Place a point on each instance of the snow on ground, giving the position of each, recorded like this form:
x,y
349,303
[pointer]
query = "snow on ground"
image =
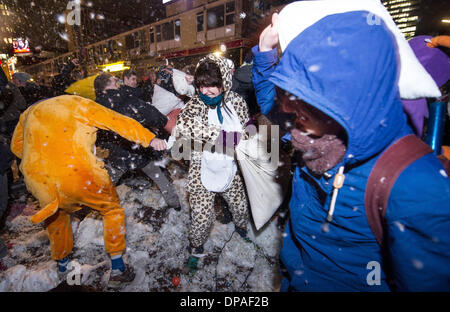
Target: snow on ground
x,y
157,241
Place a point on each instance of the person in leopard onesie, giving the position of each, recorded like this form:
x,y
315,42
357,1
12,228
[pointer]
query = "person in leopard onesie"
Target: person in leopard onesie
x,y
213,121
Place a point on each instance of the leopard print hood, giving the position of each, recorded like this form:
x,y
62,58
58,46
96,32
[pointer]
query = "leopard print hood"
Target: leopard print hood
x,y
226,69
192,122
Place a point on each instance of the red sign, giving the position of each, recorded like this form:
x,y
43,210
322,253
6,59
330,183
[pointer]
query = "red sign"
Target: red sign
x,y
230,45
21,46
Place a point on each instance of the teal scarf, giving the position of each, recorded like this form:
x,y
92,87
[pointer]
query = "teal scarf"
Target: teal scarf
x,y
214,102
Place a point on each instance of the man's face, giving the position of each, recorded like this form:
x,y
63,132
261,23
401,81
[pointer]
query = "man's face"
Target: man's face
x,y
210,91
130,81
152,76
112,85
307,118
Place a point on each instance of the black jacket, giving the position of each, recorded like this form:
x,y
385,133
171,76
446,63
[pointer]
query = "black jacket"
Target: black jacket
x,y
6,157
13,104
147,91
3,78
243,85
124,154
128,93
62,81
33,93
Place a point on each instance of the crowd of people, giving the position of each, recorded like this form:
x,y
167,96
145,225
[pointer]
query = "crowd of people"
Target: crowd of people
x,y
342,120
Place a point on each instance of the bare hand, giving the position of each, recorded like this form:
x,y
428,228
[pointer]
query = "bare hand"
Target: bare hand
x,y
158,144
75,62
268,39
439,41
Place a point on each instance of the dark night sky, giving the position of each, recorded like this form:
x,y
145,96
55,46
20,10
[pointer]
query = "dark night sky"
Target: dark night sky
x,y
38,20
433,11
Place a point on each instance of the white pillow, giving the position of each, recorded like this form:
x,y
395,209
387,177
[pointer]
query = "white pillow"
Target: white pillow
x,y
180,84
414,81
165,101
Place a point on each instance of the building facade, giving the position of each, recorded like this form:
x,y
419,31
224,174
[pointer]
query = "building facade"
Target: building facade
x,y
6,30
191,29
406,14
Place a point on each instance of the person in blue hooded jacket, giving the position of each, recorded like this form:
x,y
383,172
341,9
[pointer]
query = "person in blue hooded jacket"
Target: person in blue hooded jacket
x,y
347,110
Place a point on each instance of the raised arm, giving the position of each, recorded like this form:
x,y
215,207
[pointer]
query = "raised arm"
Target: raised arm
x,y
264,61
101,117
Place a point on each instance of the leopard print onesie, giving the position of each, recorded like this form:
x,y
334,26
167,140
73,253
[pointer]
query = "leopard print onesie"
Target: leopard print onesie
x,y
192,124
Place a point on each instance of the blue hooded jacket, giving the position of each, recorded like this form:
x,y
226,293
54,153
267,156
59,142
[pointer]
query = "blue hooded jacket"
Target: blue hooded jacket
x,y
348,69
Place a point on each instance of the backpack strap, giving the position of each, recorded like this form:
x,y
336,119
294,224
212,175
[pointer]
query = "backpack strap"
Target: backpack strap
x,y
387,169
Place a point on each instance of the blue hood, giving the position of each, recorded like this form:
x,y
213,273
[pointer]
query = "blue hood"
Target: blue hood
x,y
348,69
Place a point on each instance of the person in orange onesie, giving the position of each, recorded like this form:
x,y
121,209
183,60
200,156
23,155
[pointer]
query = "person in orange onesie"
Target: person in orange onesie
x,y
55,139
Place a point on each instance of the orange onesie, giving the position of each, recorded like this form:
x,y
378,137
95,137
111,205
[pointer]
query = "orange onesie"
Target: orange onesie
x,y
55,139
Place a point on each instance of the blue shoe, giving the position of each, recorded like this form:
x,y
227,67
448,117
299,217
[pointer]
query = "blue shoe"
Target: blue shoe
x,y
62,265
117,263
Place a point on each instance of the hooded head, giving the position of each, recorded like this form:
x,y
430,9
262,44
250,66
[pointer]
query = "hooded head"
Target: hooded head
x,y
226,67
347,68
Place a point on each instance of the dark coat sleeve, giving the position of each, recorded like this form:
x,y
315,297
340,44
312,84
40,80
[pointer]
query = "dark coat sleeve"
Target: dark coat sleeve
x,y
153,117
62,81
263,66
6,158
3,79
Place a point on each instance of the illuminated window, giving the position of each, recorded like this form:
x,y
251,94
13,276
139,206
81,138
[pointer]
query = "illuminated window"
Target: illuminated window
x,y
408,29
407,19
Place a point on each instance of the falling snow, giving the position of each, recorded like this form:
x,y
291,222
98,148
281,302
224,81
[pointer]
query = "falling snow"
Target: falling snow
x,y
157,240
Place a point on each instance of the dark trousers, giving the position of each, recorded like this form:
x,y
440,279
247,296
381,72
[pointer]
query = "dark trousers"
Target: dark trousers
x,y
157,175
3,207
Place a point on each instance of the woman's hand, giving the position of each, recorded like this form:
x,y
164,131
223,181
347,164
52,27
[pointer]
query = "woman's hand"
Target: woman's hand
x,y
268,39
158,144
